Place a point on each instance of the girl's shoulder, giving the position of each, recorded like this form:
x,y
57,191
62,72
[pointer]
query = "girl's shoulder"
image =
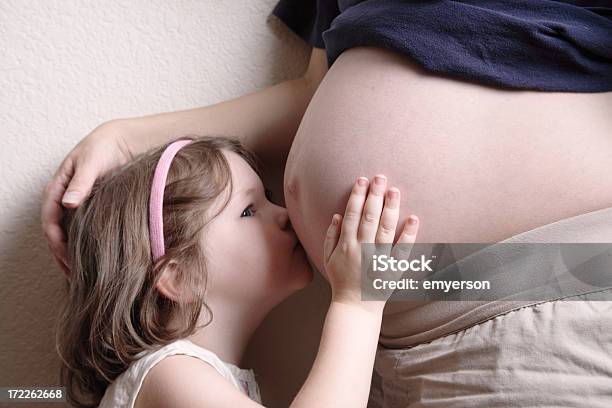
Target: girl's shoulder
x,y
182,381
157,366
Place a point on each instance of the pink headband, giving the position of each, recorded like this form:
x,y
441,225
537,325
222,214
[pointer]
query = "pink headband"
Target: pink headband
x,y
156,200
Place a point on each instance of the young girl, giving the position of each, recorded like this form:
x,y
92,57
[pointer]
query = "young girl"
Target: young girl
x,y
175,260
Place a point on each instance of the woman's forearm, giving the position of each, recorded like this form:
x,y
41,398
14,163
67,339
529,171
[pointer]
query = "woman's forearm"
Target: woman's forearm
x,y
342,371
265,121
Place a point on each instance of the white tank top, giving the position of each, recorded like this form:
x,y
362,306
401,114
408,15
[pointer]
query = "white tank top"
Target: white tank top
x,y
123,391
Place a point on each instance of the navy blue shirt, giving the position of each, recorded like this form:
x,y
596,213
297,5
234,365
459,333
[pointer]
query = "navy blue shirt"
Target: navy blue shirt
x,y
546,45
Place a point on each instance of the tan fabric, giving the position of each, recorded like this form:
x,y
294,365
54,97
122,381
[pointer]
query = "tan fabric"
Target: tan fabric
x,y
409,323
553,354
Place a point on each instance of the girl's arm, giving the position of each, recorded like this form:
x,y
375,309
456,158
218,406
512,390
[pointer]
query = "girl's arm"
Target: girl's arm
x,y
342,371
340,376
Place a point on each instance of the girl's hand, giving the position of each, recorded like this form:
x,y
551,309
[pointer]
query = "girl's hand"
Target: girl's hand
x,y
370,217
100,151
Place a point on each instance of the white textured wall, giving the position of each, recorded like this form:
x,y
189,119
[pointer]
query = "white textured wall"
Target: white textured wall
x,y
68,66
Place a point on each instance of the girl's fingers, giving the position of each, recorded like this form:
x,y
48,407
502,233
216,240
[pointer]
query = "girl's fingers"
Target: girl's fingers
x,y
331,238
354,207
411,227
370,218
407,238
389,217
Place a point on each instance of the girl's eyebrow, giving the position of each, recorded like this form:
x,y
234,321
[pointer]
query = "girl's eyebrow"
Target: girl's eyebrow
x,y
246,192
242,193
249,191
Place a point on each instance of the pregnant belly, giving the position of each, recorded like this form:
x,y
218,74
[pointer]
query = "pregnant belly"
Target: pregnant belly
x,y
476,164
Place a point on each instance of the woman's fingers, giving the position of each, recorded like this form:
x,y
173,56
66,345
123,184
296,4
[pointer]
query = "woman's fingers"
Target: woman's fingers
x,y
68,178
389,217
51,216
354,207
370,217
79,186
102,150
331,238
62,265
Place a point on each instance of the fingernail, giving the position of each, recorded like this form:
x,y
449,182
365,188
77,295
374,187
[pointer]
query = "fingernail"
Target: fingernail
x,y
380,179
362,181
71,197
393,192
413,219
334,220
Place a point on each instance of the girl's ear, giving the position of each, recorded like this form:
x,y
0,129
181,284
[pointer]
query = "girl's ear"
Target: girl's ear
x,y
168,283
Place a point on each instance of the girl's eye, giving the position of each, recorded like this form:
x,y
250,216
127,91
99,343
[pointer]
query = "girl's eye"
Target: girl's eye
x,y
248,212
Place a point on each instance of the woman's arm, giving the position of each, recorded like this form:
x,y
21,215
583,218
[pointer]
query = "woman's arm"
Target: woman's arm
x,y
265,121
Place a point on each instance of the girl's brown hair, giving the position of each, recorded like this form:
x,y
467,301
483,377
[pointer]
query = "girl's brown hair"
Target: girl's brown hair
x,y
113,310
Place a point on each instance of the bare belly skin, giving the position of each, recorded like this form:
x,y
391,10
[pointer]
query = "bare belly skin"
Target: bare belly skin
x,y
475,163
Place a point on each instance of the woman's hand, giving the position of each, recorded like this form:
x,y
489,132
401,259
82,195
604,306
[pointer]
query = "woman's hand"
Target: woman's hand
x,y
370,217
102,150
